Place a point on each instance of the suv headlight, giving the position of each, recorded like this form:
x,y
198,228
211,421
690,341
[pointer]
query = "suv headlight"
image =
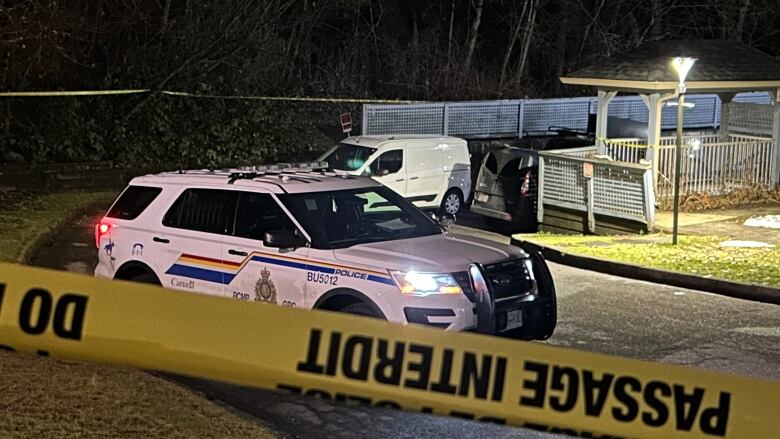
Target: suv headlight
x,y
424,284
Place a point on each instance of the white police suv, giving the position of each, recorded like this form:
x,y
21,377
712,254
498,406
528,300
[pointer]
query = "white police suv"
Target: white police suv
x,y
305,237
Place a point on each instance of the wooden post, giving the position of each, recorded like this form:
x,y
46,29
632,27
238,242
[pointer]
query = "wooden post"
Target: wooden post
x,y
725,106
648,181
776,136
587,173
602,113
591,215
520,120
654,104
446,115
540,192
364,122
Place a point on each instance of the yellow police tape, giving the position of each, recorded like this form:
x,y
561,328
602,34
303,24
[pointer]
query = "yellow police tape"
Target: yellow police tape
x,y
365,361
39,94
28,94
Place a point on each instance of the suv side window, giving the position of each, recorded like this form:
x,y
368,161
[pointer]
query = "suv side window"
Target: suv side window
x,y
389,162
204,210
258,213
134,200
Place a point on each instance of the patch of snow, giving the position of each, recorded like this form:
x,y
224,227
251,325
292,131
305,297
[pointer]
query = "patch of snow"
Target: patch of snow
x,y
745,244
767,221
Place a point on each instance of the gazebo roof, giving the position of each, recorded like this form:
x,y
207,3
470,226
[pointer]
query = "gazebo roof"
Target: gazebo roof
x,y
721,66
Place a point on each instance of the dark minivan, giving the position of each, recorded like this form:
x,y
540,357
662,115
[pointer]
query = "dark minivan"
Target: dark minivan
x,y
506,189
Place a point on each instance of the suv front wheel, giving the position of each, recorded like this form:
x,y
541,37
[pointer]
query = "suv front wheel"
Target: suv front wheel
x,y
359,309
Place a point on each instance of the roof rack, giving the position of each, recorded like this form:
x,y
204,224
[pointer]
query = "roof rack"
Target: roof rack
x,y
252,172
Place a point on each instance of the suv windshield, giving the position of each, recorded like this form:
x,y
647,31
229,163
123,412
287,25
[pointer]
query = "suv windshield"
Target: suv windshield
x,y
345,218
347,157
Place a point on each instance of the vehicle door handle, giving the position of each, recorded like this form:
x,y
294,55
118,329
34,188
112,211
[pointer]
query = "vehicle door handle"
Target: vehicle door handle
x,y
400,179
161,240
237,252
414,178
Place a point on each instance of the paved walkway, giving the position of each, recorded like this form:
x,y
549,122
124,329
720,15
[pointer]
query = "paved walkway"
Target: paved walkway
x,y
725,222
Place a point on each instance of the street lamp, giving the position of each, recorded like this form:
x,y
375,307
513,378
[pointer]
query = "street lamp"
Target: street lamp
x,y
682,66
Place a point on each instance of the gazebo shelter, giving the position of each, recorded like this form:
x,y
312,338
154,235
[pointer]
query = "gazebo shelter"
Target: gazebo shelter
x,y
742,153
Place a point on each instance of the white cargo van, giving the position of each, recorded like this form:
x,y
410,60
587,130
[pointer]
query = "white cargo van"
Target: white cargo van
x,y
429,171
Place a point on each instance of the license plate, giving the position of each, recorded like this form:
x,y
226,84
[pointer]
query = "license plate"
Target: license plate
x,y
514,319
482,197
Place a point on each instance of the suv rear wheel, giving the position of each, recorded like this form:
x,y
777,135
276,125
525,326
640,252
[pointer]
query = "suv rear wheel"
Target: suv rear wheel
x,y
145,278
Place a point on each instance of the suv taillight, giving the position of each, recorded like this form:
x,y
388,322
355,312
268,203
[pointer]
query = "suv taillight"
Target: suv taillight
x,y
526,186
101,229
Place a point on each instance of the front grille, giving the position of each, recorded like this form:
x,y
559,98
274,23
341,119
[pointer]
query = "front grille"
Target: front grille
x,y
508,278
464,281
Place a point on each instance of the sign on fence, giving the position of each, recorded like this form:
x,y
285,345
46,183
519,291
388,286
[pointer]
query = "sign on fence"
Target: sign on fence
x,y
587,170
346,123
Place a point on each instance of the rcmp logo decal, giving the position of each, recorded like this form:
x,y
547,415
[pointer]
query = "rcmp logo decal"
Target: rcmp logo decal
x,y
265,291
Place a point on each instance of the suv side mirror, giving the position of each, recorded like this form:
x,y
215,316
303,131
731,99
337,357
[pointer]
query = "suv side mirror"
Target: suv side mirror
x,y
283,239
382,172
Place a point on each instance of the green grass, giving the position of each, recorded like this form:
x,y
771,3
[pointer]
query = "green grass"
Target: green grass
x,y
700,255
27,219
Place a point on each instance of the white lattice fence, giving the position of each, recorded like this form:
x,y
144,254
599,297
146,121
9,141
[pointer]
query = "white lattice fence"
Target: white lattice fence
x,y
751,119
621,190
530,116
563,183
403,119
482,119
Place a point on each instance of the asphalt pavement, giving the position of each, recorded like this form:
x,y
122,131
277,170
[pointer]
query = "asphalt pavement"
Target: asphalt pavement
x,y
597,313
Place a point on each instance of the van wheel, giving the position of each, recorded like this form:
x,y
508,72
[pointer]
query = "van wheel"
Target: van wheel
x,y
359,309
452,202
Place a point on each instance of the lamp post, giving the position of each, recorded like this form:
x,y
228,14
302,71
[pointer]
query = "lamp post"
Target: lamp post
x,y
682,66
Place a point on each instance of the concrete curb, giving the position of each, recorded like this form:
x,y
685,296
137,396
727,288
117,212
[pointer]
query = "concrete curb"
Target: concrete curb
x,y
737,290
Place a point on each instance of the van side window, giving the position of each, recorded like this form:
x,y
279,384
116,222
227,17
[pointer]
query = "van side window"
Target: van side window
x,y
205,210
257,214
389,162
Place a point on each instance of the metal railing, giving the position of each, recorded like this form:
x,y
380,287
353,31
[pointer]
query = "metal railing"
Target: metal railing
x,y
519,117
615,189
711,163
626,150
717,168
